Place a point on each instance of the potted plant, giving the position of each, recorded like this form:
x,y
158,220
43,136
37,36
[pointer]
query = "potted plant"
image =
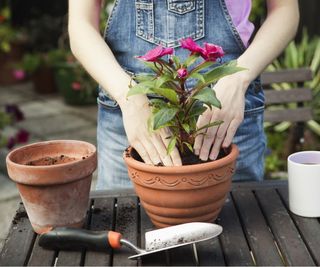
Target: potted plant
x,y
74,83
174,195
53,178
38,66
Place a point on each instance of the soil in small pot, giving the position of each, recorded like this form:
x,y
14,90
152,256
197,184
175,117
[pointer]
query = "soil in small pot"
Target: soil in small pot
x,y
46,161
187,159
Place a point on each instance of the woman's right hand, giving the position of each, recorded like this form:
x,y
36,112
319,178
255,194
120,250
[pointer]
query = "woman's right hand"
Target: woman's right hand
x,y
152,147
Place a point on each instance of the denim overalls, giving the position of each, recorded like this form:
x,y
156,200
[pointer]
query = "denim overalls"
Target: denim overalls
x,y
136,26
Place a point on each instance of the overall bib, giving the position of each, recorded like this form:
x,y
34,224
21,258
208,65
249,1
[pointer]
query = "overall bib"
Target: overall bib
x,y
136,26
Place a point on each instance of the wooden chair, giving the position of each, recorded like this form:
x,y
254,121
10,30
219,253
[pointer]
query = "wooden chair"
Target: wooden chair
x,y
277,101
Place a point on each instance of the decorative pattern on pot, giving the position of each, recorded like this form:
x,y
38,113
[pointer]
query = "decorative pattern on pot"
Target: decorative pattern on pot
x,y
212,178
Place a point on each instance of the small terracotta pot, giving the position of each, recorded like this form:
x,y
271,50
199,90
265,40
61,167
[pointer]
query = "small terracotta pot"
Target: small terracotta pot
x,y
54,195
190,193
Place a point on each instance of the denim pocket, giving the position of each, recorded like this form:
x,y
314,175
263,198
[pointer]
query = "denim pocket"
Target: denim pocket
x,y
167,22
105,101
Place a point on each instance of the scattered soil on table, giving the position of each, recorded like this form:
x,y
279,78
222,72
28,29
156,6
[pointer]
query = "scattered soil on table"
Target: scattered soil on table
x,y
19,215
46,161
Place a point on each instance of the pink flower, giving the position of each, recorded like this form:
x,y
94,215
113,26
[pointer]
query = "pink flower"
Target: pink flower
x,y
76,86
19,74
156,53
212,52
22,136
191,45
182,73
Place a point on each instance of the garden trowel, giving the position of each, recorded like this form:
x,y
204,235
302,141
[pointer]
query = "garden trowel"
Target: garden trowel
x,y
157,240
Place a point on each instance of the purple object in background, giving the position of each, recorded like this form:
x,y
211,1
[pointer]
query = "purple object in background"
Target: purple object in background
x,y
239,12
305,157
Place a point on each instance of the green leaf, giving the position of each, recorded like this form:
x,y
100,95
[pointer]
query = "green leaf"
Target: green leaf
x,y
150,65
191,59
168,93
143,77
163,79
172,145
186,127
176,61
198,76
163,116
139,89
188,146
158,103
211,124
217,73
203,65
197,110
208,96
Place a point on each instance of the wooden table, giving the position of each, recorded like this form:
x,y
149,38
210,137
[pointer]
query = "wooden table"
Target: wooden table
x,y
258,230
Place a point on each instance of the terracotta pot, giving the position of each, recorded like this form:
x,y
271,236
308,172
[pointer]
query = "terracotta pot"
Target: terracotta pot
x,y
43,81
190,193
54,195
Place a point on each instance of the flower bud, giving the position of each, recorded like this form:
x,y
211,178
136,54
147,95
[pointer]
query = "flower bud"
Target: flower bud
x,y
182,73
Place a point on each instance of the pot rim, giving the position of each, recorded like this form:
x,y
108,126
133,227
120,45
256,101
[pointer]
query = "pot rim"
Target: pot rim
x,y
181,169
45,143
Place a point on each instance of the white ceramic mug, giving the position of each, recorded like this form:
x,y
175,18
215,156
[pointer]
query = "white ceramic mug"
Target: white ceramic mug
x,y
304,183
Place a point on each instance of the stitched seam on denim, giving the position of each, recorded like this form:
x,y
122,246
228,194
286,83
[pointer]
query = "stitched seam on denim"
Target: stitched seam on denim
x,y
254,110
106,30
148,33
114,106
232,26
181,9
199,33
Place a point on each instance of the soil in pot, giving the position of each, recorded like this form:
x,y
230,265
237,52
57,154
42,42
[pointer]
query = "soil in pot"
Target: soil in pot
x,y
187,159
47,161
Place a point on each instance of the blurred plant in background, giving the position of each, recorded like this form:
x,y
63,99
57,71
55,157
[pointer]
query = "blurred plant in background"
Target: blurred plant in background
x,y
305,53
10,136
8,34
258,12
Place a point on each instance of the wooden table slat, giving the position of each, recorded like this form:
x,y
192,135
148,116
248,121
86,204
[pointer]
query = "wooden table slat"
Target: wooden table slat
x,y
155,259
210,253
182,256
309,229
18,245
233,240
127,225
41,257
73,258
257,231
102,217
288,238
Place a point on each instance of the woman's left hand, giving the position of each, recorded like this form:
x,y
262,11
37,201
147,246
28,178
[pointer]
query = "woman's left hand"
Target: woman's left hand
x,y
230,90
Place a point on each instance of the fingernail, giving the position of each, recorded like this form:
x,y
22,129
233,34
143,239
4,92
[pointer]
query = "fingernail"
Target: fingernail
x,y
203,158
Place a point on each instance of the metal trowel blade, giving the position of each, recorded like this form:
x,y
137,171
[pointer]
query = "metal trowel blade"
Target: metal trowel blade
x,y
178,235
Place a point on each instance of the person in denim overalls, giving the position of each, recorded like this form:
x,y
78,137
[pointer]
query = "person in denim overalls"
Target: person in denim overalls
x,y
136,26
